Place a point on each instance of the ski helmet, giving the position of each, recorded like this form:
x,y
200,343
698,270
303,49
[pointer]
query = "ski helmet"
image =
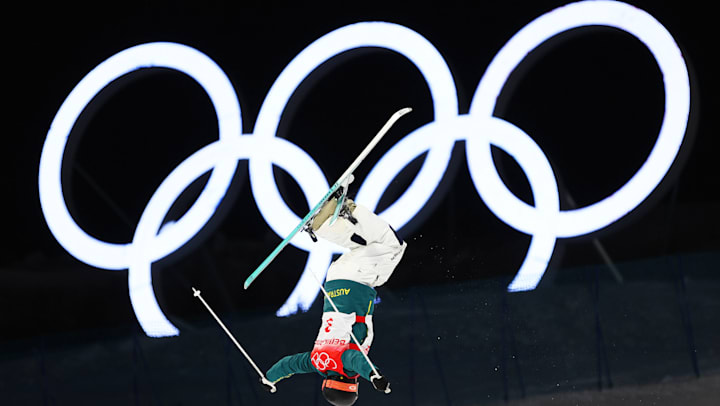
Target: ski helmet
x,y
339,390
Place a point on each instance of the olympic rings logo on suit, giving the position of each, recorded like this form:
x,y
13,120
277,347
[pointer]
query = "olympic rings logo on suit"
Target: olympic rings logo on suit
x,y
479,129
322,361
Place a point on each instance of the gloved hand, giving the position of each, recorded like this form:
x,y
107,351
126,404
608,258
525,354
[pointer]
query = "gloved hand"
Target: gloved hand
x,y
380,383
267,385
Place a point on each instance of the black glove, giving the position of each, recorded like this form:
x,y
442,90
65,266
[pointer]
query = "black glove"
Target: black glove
x,y
380,383
337,194
268,386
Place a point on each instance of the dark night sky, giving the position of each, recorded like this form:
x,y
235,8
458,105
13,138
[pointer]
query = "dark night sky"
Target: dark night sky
x,y
593,102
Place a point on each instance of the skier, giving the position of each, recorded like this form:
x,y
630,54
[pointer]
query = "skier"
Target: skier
x,y
374,250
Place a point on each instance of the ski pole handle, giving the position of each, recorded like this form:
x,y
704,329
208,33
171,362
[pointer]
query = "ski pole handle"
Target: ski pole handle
x,y
269,386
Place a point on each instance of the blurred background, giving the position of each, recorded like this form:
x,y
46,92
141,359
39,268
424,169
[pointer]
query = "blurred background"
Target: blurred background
x,y
629,314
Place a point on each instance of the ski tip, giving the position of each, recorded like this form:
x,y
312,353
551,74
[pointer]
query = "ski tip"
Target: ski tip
x,y
404,111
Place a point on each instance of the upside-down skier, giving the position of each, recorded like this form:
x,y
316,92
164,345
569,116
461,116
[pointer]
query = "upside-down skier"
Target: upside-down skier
x,y
374,250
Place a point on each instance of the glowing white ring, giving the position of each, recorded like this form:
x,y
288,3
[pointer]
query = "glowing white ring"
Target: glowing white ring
x,y
373,34
581,221
222,95
121,256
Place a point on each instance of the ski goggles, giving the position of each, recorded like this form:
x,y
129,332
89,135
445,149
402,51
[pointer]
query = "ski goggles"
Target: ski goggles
x,y
343,386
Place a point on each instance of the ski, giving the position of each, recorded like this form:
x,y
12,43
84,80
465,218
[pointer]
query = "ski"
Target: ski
x,y
308,218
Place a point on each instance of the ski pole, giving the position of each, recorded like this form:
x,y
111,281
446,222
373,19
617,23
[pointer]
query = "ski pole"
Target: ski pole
x,y
196,293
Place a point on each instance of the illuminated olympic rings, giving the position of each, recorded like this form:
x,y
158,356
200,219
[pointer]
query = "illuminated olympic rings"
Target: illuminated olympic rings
x,y
544,221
